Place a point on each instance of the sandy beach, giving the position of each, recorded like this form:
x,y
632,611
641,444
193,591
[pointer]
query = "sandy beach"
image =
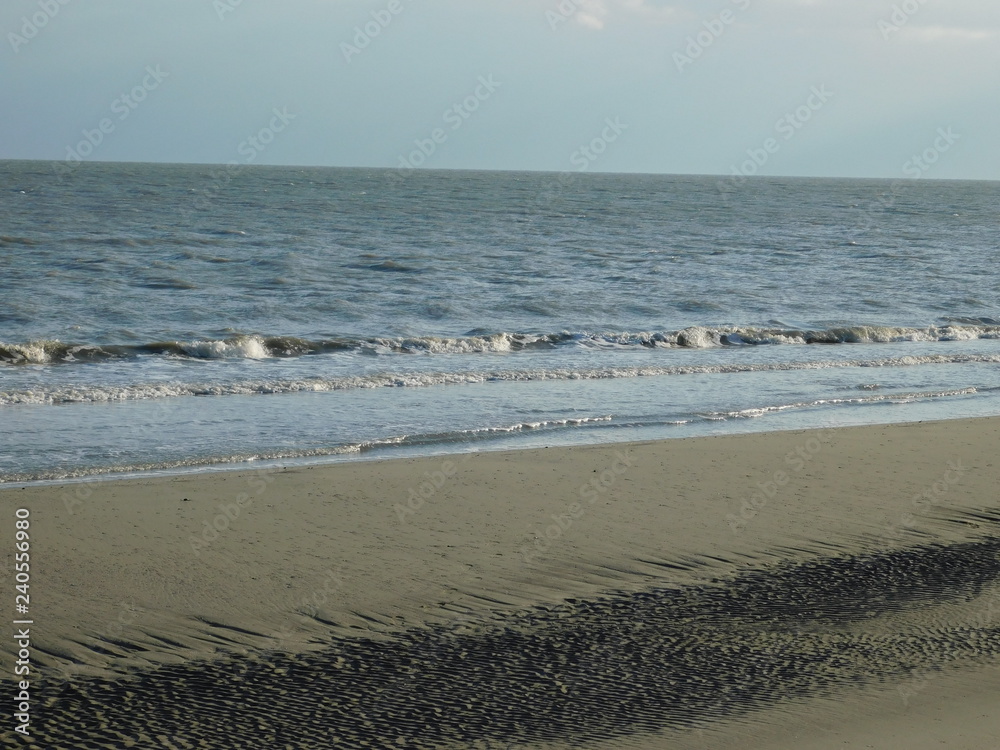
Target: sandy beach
x,y
563,375
808,589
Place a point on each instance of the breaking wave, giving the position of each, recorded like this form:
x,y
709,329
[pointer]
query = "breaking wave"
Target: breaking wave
x,y
261,347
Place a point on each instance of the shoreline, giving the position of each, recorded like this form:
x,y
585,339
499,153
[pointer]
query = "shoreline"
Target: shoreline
x,y
146,574
362,457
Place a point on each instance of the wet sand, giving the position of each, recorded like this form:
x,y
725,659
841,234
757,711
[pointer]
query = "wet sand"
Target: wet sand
x,y
773,590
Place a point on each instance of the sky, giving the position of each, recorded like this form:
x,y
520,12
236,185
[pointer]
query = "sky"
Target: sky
x,y
825,88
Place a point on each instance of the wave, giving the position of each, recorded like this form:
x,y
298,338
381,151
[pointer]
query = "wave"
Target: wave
x,y
63,394
896,398
262,347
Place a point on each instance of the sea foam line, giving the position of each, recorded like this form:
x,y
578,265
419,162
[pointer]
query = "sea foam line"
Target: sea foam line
x,y
206,462
100,394
466,436
892,398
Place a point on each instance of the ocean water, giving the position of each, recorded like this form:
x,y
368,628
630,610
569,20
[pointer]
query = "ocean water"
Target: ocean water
x,y
176,317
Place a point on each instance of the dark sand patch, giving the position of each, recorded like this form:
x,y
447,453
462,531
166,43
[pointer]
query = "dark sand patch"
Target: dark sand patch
x,y
582,672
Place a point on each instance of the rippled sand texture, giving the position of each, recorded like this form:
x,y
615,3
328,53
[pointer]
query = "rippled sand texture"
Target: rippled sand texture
x,y
593,671
666,616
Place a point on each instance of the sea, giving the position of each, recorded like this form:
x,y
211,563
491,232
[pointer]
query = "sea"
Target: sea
x,y
173,318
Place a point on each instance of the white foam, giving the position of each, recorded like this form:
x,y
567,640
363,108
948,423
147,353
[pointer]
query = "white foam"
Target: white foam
x,y
900,398
522,426
97,394
697,337
214,462
243,347
32,352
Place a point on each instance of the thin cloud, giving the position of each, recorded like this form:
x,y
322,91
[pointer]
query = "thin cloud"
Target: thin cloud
x,y
595,14
948,33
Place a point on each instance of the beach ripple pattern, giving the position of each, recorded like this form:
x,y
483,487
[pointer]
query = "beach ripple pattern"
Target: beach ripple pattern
x,y
582,671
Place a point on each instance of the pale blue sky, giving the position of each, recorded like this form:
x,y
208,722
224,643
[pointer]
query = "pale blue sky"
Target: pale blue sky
x,y
891,84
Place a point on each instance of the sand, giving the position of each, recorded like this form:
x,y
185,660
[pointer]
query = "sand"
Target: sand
x,y
796,589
